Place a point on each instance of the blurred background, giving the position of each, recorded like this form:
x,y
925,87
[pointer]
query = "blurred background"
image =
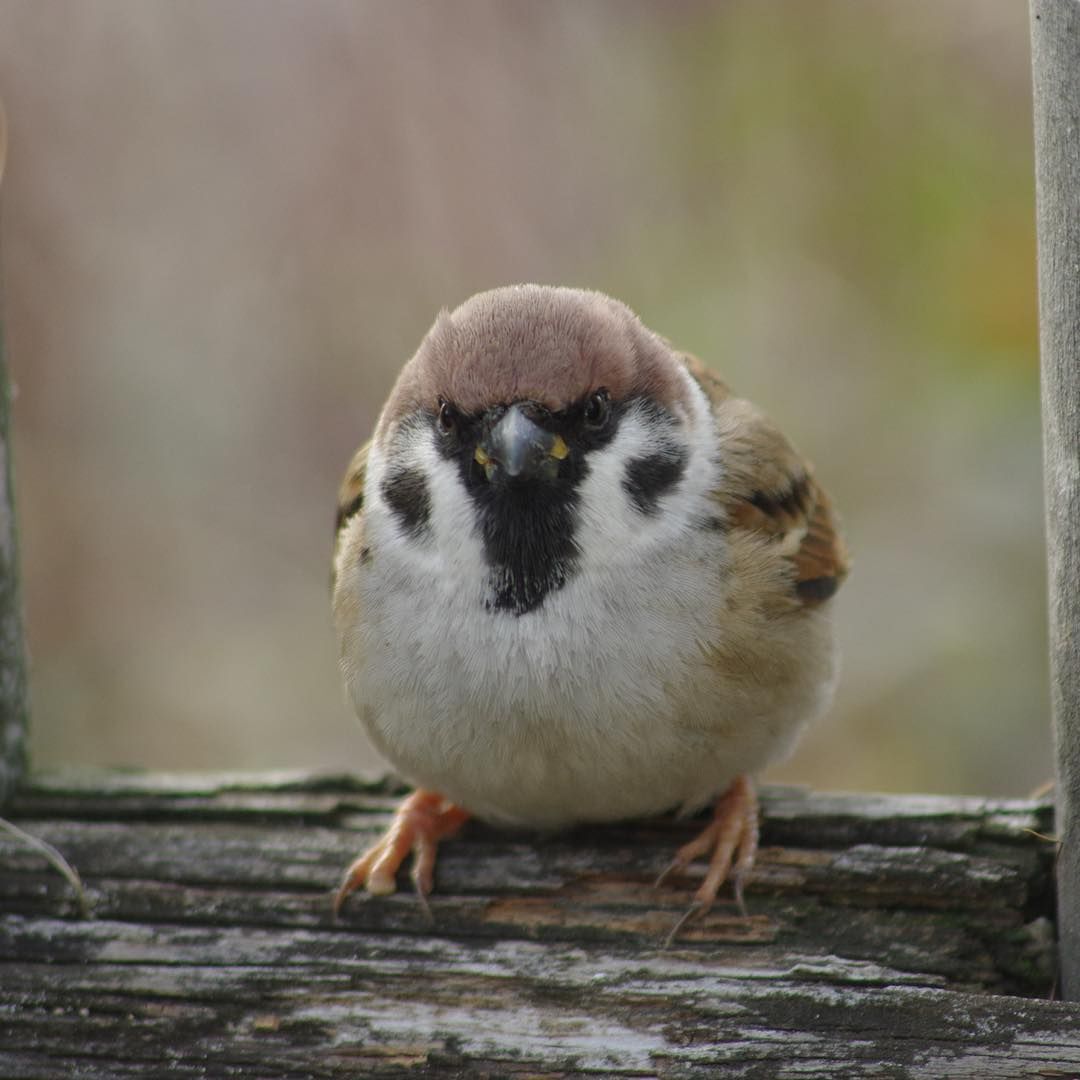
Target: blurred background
x,y
227,223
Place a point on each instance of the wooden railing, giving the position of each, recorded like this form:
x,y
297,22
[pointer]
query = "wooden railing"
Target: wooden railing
x,y
886,936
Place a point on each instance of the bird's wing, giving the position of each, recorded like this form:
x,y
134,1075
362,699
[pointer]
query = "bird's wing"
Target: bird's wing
x,y
350,500
351,493
769,493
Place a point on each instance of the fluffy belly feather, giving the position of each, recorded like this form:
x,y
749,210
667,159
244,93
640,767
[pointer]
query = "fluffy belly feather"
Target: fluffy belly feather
x,y
550,718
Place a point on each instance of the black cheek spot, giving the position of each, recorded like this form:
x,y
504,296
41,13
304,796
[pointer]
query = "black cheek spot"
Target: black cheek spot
x,y
365,556
405,491
647,478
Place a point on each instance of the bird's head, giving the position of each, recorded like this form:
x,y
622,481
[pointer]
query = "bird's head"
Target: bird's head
x,y
525,392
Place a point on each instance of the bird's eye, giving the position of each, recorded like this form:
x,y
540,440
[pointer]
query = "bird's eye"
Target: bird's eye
x,y
597,409
448,418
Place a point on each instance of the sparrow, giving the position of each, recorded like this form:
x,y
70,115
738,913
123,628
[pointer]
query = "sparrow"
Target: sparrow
x,y
577,580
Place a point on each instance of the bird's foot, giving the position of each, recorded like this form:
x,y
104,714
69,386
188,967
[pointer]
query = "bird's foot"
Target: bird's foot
x,y
732,839
421,821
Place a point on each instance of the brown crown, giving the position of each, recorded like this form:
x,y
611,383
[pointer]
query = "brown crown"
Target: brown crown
x,y
536,343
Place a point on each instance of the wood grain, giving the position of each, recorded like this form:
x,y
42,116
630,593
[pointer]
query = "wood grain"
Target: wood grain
x,y
13,695
1055,67
887,936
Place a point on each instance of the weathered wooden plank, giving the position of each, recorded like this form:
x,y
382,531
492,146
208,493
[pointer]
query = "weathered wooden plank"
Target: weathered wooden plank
x,y
936,947
270,856
882,932
681,1006
570,887
835,818
515,1005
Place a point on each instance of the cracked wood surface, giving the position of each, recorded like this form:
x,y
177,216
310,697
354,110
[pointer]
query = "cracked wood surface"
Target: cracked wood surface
x,y
891,936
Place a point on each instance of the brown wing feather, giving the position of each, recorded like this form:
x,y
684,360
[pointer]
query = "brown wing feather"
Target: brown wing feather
x,y
351,493
822,561
350,503
770,491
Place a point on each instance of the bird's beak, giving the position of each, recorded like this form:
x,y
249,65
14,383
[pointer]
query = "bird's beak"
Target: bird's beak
x,y
520,448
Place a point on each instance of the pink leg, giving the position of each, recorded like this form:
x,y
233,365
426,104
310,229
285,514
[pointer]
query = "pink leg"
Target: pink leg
x,y
730,840
421,821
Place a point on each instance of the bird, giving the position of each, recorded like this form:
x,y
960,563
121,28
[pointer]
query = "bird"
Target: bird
x,y
576,579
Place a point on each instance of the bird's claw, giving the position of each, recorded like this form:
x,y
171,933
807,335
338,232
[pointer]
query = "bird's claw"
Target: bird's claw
x,y
421,821
730,840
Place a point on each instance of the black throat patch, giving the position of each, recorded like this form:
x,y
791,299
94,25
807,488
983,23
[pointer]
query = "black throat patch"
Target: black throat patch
x,y
528,535
528,526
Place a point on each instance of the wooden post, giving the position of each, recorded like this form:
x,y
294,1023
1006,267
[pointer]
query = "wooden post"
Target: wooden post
x,y
1055,31
13,693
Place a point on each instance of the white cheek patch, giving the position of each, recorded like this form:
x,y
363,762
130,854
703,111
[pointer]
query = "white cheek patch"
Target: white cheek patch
x,y
447,555
457,546
615,522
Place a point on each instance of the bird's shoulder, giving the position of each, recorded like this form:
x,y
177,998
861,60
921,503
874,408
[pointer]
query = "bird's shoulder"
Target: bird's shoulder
x,y
769,493
350,506
350,499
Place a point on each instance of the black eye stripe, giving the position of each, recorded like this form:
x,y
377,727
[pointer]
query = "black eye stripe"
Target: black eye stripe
x,y
448,418
596,412
571,423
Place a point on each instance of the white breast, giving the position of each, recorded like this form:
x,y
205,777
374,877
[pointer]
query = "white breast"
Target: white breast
x,y
601,704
